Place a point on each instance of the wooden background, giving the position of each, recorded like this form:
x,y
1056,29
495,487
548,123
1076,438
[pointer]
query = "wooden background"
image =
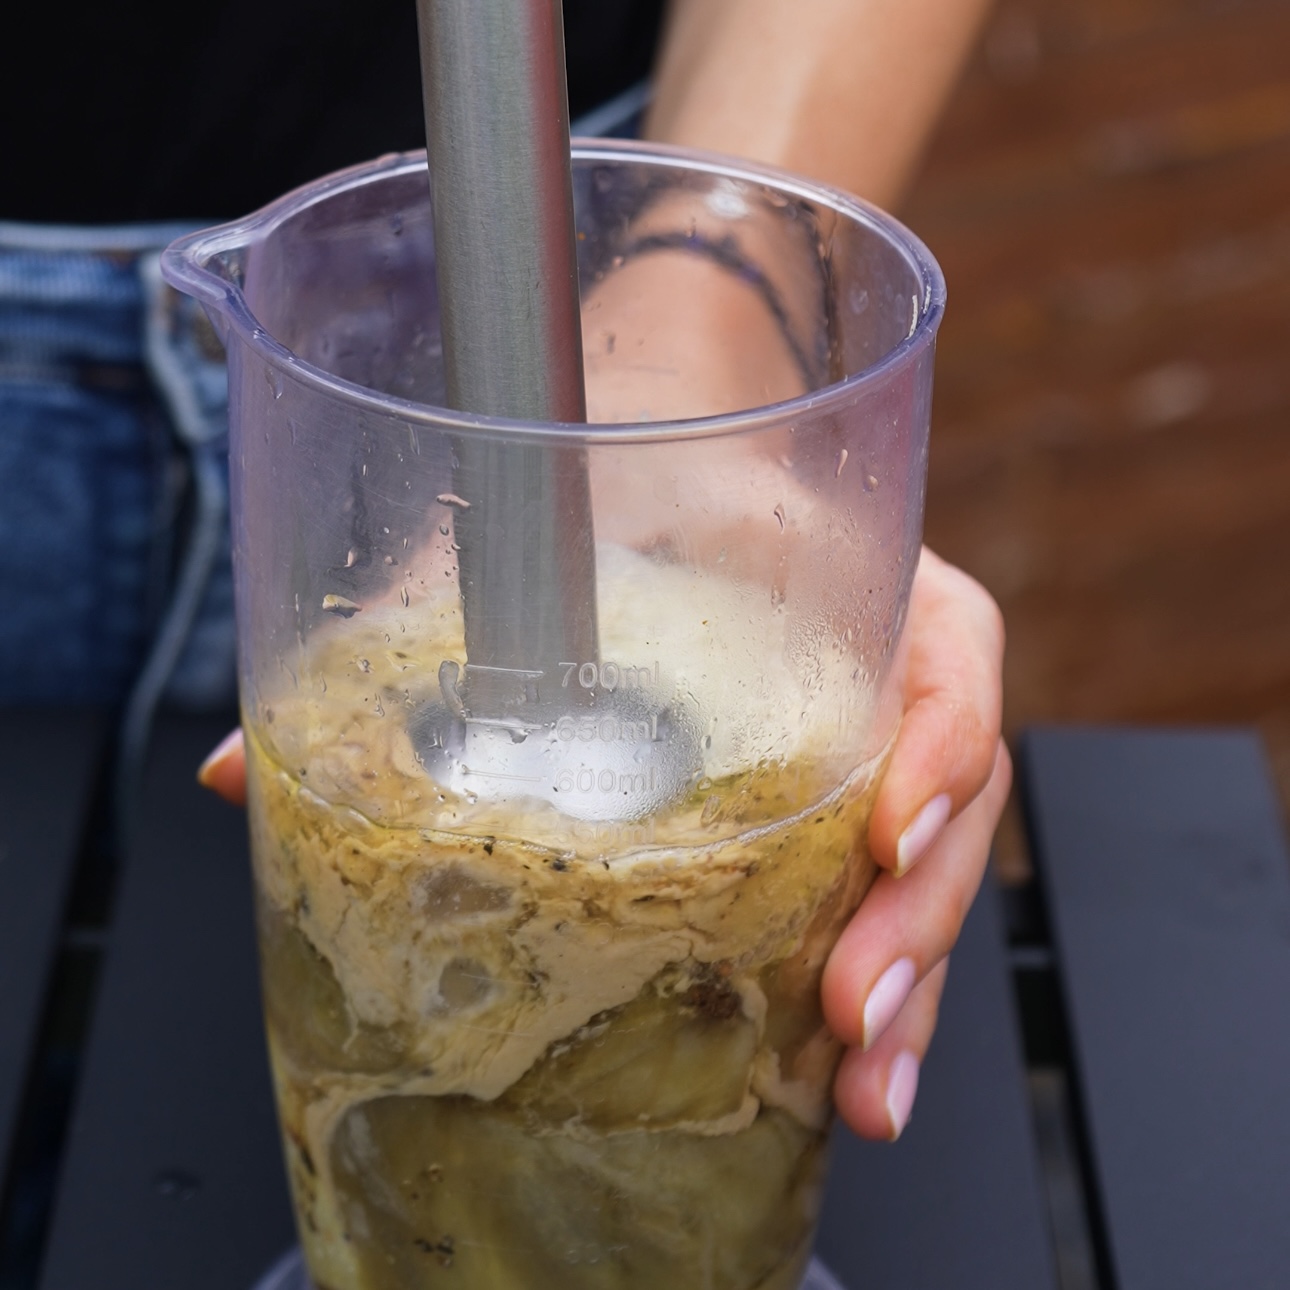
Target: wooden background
x,y
1109,196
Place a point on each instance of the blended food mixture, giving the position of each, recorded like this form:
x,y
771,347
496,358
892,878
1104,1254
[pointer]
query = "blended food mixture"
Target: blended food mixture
x,y
517,1050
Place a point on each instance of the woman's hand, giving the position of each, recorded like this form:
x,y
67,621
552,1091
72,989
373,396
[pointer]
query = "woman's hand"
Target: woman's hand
x,y
930,832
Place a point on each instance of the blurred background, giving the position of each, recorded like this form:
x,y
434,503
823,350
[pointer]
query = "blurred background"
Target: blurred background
x,y
1109,195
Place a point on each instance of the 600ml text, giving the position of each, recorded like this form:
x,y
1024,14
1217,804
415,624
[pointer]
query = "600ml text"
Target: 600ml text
x,y
587,779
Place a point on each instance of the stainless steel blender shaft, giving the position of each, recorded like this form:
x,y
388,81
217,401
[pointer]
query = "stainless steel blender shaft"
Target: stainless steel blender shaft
x,y
498,140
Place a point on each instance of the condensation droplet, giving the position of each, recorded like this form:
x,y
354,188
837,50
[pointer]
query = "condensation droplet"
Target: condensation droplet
x,y
350,557
364,665
340,605
377,709
870,483
451,499
779,515
444,529
842,461
403,596
389,559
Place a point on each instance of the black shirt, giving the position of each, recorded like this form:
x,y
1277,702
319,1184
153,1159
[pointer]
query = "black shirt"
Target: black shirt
x,y
206,109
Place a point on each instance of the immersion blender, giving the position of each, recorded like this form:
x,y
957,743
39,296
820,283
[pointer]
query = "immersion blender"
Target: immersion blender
x,y
497,132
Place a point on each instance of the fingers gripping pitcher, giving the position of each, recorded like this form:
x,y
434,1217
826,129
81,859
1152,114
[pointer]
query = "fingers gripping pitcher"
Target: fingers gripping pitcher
x,y
542,946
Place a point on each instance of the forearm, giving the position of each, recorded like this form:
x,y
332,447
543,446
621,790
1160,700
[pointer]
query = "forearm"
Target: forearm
x,y
846,91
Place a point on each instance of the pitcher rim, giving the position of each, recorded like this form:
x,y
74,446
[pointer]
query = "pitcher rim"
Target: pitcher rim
x,y
184,261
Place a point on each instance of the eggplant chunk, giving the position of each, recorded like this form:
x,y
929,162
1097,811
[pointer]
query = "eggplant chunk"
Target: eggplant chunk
x,y
451,1191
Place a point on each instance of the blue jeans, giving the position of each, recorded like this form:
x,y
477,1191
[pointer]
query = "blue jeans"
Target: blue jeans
x,y
113,479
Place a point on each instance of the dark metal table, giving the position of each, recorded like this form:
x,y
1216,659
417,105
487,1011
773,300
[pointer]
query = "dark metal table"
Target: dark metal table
x,y
1104,1106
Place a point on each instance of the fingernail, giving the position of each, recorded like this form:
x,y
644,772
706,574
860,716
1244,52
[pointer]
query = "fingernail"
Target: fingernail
x,y
217,755
886,999
920,835
902,1087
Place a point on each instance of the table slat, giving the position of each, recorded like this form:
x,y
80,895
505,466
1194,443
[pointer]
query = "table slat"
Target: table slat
x,y
1168,889
172,1176
48,763
957,1201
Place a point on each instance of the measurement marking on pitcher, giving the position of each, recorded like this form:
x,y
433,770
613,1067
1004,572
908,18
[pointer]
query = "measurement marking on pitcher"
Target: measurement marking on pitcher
x,y
497,774
608,676
586,779
608,729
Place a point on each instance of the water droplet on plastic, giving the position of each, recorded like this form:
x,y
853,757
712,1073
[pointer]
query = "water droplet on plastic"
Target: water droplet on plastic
x,y
842,461
364,665
403,596
340,605
377,709
365,470
870,483
779,515
444,529
618,262
451,499
350,557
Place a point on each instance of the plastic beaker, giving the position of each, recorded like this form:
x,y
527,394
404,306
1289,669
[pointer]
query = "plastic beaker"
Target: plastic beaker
x,y
541,968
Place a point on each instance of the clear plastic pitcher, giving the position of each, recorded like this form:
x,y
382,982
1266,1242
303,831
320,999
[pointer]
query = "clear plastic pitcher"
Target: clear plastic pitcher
x,y
542,944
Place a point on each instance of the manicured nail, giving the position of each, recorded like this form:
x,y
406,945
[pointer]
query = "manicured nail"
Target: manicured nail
x,y
206,771
886,999
902,1086
920,835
